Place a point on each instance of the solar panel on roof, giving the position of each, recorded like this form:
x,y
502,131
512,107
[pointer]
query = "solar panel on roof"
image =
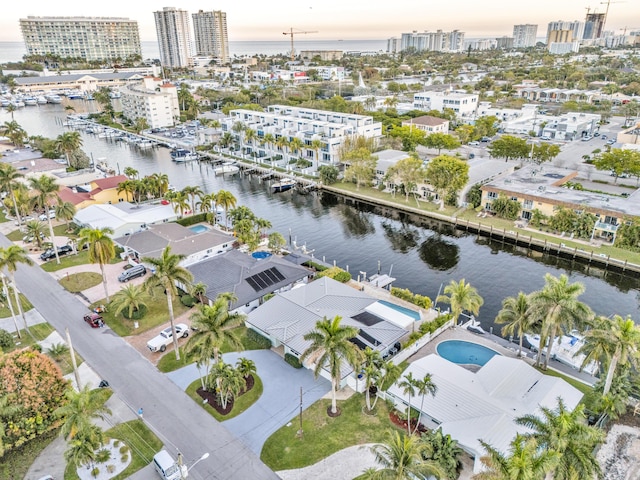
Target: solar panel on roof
x,y
369,338
367,318
359,343
265,279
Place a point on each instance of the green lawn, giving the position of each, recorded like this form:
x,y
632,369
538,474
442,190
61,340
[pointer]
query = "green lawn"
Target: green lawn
x,y
241,403
81,258
143,445
157,314
168,362
80,281
3,216
5,312
324,435
38,332
584,388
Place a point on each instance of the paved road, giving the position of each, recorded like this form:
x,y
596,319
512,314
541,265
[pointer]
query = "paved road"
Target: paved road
x,y
181,425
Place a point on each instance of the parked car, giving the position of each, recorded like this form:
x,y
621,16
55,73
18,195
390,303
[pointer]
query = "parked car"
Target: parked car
x,y
545,137
586,138
43,217
474,144
165,337
485,139
611,141
131,273
50,253
603,137
94,320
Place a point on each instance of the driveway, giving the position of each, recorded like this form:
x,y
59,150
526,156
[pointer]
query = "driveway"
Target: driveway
x,y
280,399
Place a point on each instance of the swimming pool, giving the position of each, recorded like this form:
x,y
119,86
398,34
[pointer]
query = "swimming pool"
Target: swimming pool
x,y
464,353
198,228
261,255
407,311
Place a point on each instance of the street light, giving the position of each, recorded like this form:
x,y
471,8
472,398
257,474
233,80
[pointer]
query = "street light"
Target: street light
x,y
184,470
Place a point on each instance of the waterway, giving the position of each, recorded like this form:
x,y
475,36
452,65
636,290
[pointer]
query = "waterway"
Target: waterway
x,y
422,254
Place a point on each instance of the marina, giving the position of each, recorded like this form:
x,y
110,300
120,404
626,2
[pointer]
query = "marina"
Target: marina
x,y
424,253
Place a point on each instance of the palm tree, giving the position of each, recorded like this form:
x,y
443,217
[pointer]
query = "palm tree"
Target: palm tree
x,y
461,296
246,367
131,172
525,461
206,203
35,230
8,180
282,143
214,326
250,136
193,192
14,132
226,200
68,143
408,386
316,146
65,211
168,272
229,382
10,258
401,459
566,432
330,346
516,314
269,139
372,374
128,187
198,290
84,446
80,409
46,194
424,386
131,298
558,304
619,339
101,249
6,295
295,145
180,202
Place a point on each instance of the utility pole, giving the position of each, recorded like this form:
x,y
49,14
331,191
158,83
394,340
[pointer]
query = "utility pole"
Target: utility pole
x,y
300,432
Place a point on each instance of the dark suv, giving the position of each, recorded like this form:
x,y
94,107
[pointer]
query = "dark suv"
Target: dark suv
x,y
50,253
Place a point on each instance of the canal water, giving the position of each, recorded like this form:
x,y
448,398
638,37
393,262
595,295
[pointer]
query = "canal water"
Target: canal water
x,y
422,254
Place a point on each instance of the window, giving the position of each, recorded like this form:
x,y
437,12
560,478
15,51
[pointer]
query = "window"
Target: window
x,y
492,195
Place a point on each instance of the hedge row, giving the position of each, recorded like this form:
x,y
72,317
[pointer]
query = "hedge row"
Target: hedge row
x,y
408,296
427,327
336,273
193,219
316,266
261,340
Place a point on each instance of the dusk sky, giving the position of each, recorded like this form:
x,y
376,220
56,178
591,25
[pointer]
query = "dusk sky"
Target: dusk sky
x,y
339,19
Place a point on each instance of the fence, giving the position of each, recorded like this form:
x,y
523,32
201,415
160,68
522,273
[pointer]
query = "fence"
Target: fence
x,y
421,342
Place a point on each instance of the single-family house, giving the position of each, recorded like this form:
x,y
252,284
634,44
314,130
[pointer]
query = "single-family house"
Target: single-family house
x,y
101,190
428,124
124,218
194,245
483,405
247,277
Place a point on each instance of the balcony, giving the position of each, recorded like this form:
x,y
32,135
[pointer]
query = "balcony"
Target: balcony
x,y
606,227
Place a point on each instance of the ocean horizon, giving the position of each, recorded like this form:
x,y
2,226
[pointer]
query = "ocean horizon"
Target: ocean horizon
x,y
14,51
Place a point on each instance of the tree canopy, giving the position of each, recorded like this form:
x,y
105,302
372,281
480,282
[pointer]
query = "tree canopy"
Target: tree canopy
x,y
447,175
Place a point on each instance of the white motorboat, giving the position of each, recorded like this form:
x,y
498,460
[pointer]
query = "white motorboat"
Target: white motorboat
x,y
41,99
565,350
227,168
283,185
53,98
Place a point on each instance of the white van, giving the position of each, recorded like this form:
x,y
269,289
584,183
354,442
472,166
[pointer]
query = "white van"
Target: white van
x,y
166,466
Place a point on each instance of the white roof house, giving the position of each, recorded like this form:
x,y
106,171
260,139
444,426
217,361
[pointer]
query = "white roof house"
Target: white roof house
x,y
124,218
484,405
288,316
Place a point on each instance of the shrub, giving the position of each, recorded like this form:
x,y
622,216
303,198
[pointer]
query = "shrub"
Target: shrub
x,y
193,219
116,443
316,266
261,340
188,300
292,360
103,455
123,450
124,458
6,340
95,472
413,338
336,273
111,468
37,347
408,296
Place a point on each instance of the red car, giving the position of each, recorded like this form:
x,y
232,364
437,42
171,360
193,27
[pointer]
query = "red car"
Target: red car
x,y
94,320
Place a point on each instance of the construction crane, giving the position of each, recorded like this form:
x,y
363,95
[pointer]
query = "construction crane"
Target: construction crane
x,y
291,33
606,12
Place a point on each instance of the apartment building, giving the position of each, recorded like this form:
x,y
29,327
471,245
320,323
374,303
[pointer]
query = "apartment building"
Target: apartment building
x,y
524,36
576,28
174,37
89,38
210,32
153,99
593,25
464,104
305,124
437,41
324,55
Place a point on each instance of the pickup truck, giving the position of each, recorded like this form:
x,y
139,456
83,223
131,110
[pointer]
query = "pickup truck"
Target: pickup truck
x,y
165,337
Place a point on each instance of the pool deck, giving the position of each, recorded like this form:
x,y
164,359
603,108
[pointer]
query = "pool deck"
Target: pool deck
x,y
500,345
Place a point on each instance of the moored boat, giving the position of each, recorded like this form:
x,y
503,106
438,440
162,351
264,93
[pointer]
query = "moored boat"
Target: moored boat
x,y
283,185
565,350
227,168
